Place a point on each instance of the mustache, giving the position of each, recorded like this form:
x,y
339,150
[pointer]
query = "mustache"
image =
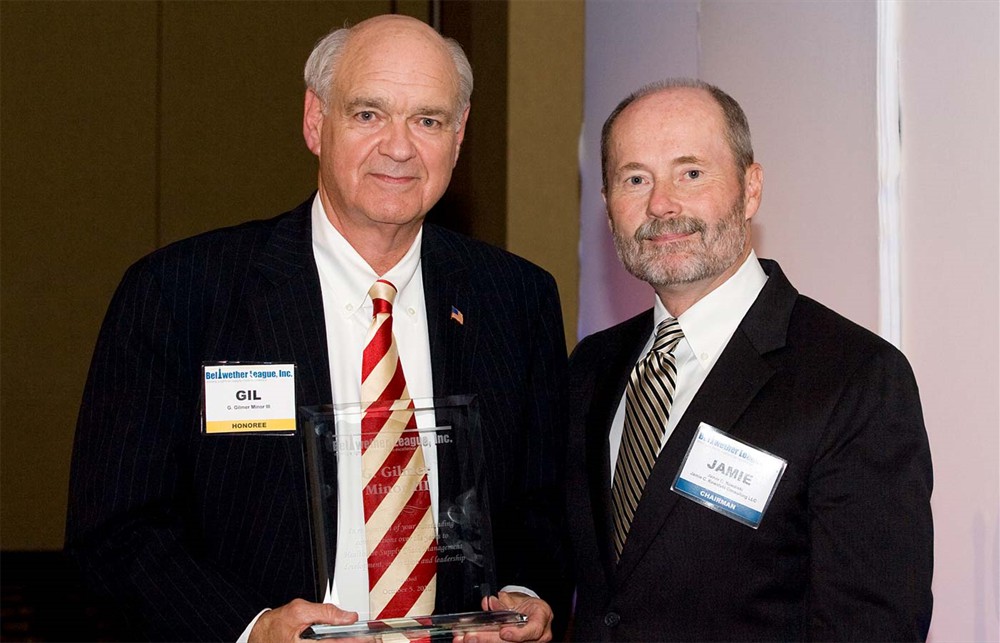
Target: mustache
x,y
675,225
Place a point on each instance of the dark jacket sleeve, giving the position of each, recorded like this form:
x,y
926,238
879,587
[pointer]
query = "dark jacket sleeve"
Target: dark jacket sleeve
x,y
871,532
544,561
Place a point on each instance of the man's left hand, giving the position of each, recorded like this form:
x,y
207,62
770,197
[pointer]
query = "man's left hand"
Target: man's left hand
x,y
537,628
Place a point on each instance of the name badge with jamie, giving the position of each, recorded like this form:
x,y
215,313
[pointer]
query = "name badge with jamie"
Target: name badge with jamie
x,y
248,398
729,476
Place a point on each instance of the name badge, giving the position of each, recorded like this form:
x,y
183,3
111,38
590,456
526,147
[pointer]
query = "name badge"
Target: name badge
x,y
729,476
248,398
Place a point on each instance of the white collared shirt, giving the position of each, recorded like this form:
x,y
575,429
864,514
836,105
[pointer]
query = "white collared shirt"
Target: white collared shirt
x,y
708,326
345,279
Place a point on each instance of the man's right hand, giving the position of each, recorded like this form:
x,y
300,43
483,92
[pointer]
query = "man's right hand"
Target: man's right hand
x,y
285,623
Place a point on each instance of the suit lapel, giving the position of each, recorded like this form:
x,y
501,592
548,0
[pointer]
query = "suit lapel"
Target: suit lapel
x,y
287,309
452,345
452,342
618,359
743,369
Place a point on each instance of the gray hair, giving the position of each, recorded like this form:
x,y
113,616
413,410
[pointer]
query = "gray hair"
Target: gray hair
x,y
323,60
737,128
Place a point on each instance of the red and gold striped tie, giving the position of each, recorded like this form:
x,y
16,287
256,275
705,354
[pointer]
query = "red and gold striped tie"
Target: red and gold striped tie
x,y
399,524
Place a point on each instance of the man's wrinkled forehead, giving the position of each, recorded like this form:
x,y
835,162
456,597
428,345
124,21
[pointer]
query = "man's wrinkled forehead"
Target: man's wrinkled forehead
x,y
671,105
679,110
403,54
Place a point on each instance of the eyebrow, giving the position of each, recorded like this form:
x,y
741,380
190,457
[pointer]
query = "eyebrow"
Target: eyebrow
x,y
433,110
366,101
629,167
685,160
381,104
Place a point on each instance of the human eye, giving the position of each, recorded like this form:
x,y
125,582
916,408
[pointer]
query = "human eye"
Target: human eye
x,y
429,123
634,180
365,116
693,174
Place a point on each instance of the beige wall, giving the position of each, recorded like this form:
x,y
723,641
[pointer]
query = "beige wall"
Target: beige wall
x,y
951,293
545,111
809,93
128,125
629,44
230,122
78,198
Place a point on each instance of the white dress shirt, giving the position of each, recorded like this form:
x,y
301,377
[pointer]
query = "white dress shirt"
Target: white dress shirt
x,y
345,279
708,326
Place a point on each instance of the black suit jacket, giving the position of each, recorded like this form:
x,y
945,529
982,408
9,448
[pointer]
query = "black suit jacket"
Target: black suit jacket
x,y
844,551
195,534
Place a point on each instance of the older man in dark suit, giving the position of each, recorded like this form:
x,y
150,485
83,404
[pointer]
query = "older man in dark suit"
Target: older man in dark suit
x,y
196,534
732,391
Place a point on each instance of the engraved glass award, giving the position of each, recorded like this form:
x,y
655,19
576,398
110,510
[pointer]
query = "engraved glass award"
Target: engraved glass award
x,y
339,445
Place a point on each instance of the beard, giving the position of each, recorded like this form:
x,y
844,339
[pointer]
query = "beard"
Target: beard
x,y
711,252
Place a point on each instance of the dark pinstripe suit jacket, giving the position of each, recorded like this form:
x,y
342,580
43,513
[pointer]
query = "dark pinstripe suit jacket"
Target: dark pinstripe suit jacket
x,y
195,534
845,549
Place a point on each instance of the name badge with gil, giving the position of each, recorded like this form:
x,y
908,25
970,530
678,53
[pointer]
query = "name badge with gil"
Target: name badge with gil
x,y
248,398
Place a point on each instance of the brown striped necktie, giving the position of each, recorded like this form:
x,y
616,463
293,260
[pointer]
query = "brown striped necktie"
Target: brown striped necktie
x,y
399,524
648,396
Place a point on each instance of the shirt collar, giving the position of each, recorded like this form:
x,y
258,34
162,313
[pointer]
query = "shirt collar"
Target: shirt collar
x,y
711,321
353,274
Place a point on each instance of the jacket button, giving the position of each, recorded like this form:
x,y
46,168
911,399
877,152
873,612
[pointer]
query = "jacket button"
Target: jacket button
x,y
611,619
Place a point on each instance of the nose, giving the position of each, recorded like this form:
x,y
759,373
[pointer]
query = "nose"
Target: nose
x,y
664,202
396,142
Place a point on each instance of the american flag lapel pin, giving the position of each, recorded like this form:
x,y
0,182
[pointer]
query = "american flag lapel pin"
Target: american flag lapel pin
x,y
456,315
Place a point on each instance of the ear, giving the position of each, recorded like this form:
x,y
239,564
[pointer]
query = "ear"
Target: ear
x,y
460,135
753,187
607,211
312,122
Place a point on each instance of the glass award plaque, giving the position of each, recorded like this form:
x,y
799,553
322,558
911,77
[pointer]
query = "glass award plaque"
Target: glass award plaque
x,y
448,435
435,627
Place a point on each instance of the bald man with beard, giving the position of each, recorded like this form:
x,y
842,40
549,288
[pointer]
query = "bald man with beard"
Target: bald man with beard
x,y
731,390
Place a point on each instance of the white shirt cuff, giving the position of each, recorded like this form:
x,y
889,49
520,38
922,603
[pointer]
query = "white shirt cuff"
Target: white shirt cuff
x,y
518,588
245,636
